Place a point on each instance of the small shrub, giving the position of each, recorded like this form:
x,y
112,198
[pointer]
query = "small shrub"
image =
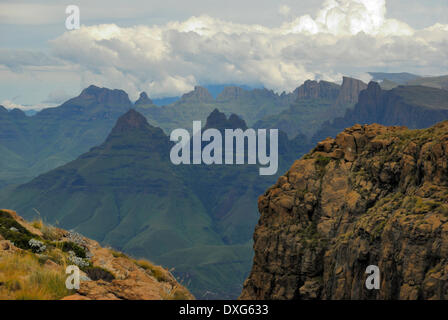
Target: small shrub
x,y
50,233
320,165
37,246
80,262
38,224
98,273
322,161
13,231
79,251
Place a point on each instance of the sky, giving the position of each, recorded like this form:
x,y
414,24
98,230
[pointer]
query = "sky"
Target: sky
x,y
167,47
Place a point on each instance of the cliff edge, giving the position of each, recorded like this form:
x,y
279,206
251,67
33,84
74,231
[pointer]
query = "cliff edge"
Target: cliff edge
x,y
374,195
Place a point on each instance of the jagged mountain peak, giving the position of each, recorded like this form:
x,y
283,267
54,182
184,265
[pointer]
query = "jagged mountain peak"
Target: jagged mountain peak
x,y
104,95
143,99
218,120
131,120
373,89
132,129
16,112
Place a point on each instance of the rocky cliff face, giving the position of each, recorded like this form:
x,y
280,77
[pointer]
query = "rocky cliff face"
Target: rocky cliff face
x,y
350,90
199,94
375,195
347,98
230,93
314,90
36,251
413,106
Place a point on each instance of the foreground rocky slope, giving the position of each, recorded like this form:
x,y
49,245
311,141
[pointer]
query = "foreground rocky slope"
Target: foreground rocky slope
x,y
33,258
375,195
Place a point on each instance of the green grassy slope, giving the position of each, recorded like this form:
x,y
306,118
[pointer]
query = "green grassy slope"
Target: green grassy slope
x,y
54,136
126,193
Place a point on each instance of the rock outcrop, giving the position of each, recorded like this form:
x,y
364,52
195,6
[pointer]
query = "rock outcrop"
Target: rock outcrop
x,y
374,195
350,90
347,98
313,90
199,94
30,250
230,93
104,96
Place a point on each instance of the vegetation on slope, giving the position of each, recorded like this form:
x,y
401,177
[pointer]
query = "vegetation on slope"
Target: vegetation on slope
x,y
34,257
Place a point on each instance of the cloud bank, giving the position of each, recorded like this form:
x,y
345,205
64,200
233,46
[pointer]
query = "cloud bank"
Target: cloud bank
x,y
345,37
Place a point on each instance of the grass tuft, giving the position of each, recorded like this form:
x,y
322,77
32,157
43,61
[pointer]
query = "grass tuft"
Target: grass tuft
x,y
156,271
24,278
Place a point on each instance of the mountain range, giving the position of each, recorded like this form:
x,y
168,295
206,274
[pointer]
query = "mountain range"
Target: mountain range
x,y
389,81
127,194
32,145
100,164
35,144
316,102
416,107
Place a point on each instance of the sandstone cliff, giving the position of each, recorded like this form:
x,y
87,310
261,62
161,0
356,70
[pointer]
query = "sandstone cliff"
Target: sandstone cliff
x,y
313,90
199,94
375,195
230,93
33,258
350,90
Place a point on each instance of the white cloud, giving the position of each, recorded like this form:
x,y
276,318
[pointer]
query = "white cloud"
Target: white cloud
x,y
57,96
16,59
350,17
37,107
29,13
284,10
344,37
